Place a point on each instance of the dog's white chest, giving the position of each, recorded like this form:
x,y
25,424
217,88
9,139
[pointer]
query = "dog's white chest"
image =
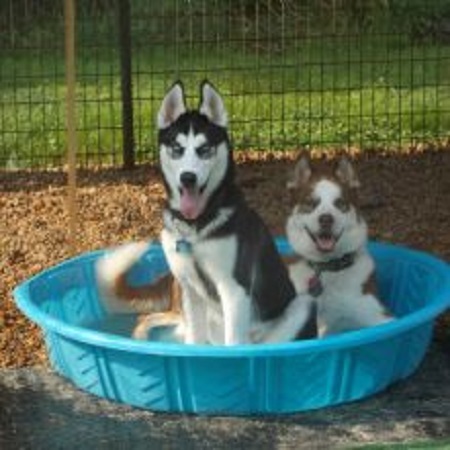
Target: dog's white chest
x,y
203,267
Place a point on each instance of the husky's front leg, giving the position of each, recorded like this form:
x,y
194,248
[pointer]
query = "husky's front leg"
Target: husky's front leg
x,y
237,310
194,311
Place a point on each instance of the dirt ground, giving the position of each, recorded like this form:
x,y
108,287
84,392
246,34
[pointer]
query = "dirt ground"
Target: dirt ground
x,y
405,199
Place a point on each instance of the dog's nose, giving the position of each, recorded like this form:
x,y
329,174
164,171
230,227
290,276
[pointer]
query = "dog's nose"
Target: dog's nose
x,y
326,220
188,179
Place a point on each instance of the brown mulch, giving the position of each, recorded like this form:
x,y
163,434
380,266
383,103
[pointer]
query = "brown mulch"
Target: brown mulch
x,y
405,198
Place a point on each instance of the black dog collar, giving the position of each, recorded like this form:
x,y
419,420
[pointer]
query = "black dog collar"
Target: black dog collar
x,y
333,265
315,286
188,234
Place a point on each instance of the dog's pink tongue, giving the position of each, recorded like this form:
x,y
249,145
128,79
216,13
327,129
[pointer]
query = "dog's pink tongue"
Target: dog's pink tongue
x,y
326,243
190,205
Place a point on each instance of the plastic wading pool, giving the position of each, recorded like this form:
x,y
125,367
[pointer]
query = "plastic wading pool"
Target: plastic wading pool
x,y
94,351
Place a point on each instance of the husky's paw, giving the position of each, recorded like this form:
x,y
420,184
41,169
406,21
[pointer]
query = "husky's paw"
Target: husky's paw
x,y
294,321
148,322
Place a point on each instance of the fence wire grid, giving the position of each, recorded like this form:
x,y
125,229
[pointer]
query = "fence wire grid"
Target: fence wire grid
x,y
372,74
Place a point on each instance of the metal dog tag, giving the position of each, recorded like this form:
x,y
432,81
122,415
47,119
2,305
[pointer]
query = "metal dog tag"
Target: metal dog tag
x,y
315,287
183,246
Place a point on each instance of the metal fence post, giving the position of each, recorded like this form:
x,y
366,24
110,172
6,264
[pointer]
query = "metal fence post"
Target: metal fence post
x,y
126,84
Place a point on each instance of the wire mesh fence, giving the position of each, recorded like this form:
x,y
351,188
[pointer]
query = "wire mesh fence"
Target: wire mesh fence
x,y
371,74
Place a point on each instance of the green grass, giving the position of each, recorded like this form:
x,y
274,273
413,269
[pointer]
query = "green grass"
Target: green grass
x,y
369,92
436,444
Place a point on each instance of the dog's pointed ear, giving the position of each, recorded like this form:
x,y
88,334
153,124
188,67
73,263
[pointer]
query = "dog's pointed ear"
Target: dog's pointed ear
x,y
345,172
172,107
301,174
212,106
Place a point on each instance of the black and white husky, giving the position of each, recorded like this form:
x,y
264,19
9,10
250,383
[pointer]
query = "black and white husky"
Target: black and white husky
x,y
235,288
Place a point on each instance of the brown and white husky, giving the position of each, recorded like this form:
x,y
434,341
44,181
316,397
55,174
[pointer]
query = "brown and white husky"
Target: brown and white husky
x,y
329,235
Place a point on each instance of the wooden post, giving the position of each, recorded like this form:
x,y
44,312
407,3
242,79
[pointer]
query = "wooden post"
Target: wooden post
x,y
69,19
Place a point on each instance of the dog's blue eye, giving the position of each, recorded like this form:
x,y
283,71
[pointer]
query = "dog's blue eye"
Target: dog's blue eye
x,y
205,151
176,151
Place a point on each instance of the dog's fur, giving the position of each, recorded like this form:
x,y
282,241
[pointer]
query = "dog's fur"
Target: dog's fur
x,y
329,235
234,287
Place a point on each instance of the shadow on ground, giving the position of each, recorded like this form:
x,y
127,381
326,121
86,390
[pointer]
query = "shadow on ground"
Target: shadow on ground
x,y
40,410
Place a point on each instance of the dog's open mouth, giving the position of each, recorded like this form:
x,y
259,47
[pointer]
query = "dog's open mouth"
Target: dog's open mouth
x,y
325,240
192,202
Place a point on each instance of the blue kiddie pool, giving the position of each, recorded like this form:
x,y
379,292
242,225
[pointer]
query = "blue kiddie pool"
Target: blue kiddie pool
x,y
93,349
